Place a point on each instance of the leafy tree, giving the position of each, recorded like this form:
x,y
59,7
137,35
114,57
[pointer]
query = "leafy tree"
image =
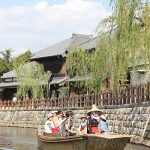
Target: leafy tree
x,y
6,61
32,77
21,59
79,66
123,43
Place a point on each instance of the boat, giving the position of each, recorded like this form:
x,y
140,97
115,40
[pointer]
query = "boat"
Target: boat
x,y
48,141
85,142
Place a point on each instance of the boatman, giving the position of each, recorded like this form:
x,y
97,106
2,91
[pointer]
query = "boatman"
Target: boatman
x,y
93,120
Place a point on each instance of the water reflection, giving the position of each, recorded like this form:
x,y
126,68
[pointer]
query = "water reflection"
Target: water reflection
x,y
18,139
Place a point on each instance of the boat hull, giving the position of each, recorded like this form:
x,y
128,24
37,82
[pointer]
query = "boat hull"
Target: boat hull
x,y
73,143
88,142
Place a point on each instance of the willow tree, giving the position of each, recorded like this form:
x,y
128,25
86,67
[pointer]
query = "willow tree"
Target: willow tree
x,y
32,77
78,63
129,45
123,44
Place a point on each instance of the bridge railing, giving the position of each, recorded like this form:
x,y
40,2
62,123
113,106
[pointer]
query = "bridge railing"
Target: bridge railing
x,y
128,95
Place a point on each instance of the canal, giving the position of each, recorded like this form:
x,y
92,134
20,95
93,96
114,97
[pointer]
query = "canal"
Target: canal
x,y
25,139
18,139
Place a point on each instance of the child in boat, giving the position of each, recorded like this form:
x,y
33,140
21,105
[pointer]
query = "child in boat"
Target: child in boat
x,y
83,126
49,124
103,126
67,125
93,120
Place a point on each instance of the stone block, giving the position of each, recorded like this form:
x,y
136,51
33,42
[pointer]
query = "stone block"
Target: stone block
x,y
145,110
136,110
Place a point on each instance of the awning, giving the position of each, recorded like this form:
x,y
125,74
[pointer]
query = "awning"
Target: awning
x,y
58,80
9,84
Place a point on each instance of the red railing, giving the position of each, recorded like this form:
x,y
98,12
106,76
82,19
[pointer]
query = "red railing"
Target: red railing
x,y
126,96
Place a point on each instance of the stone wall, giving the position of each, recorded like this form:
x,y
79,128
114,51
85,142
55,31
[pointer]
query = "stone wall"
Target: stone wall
x,y
128,120
31,118
132,120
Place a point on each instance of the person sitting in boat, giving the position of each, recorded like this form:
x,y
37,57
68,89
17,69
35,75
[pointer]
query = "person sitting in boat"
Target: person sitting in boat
x,y
103,126
83,126
67,125
56,122
60,116
49,124
93,120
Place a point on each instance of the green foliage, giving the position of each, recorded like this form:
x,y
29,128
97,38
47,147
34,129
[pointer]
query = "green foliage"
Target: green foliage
x,y
6,61
123,43
129,45
9,63
77,55
21,59
78,62
32,77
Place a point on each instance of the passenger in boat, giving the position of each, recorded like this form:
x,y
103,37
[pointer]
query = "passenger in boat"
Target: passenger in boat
x,y
103,126
67,125
93,120
56,122
83,126
61,116
55,118
49,124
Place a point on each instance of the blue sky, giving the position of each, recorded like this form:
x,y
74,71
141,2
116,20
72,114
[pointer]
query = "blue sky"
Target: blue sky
x,y
10,3
37,24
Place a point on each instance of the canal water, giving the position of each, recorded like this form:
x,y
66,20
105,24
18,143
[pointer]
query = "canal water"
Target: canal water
x,y
18,139
25,139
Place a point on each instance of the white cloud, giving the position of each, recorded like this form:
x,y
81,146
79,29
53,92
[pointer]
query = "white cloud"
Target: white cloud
x,y
41,5
40,25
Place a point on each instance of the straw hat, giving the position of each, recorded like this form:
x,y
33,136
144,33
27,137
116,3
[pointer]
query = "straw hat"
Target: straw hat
x,y
103,117
94,109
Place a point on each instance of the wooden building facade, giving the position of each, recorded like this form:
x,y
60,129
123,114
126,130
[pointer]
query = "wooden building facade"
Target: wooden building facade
x,y
53,59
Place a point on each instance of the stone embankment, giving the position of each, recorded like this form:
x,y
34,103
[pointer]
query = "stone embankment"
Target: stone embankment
x,y
131,120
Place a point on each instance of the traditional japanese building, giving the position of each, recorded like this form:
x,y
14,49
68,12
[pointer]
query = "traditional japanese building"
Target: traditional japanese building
x,y
8,85
53,59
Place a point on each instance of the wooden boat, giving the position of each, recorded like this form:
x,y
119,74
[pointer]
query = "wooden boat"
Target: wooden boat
x,y
87,142
56,142
60,143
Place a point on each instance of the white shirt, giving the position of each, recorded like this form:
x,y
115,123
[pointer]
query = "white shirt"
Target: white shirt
x,y
48,126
